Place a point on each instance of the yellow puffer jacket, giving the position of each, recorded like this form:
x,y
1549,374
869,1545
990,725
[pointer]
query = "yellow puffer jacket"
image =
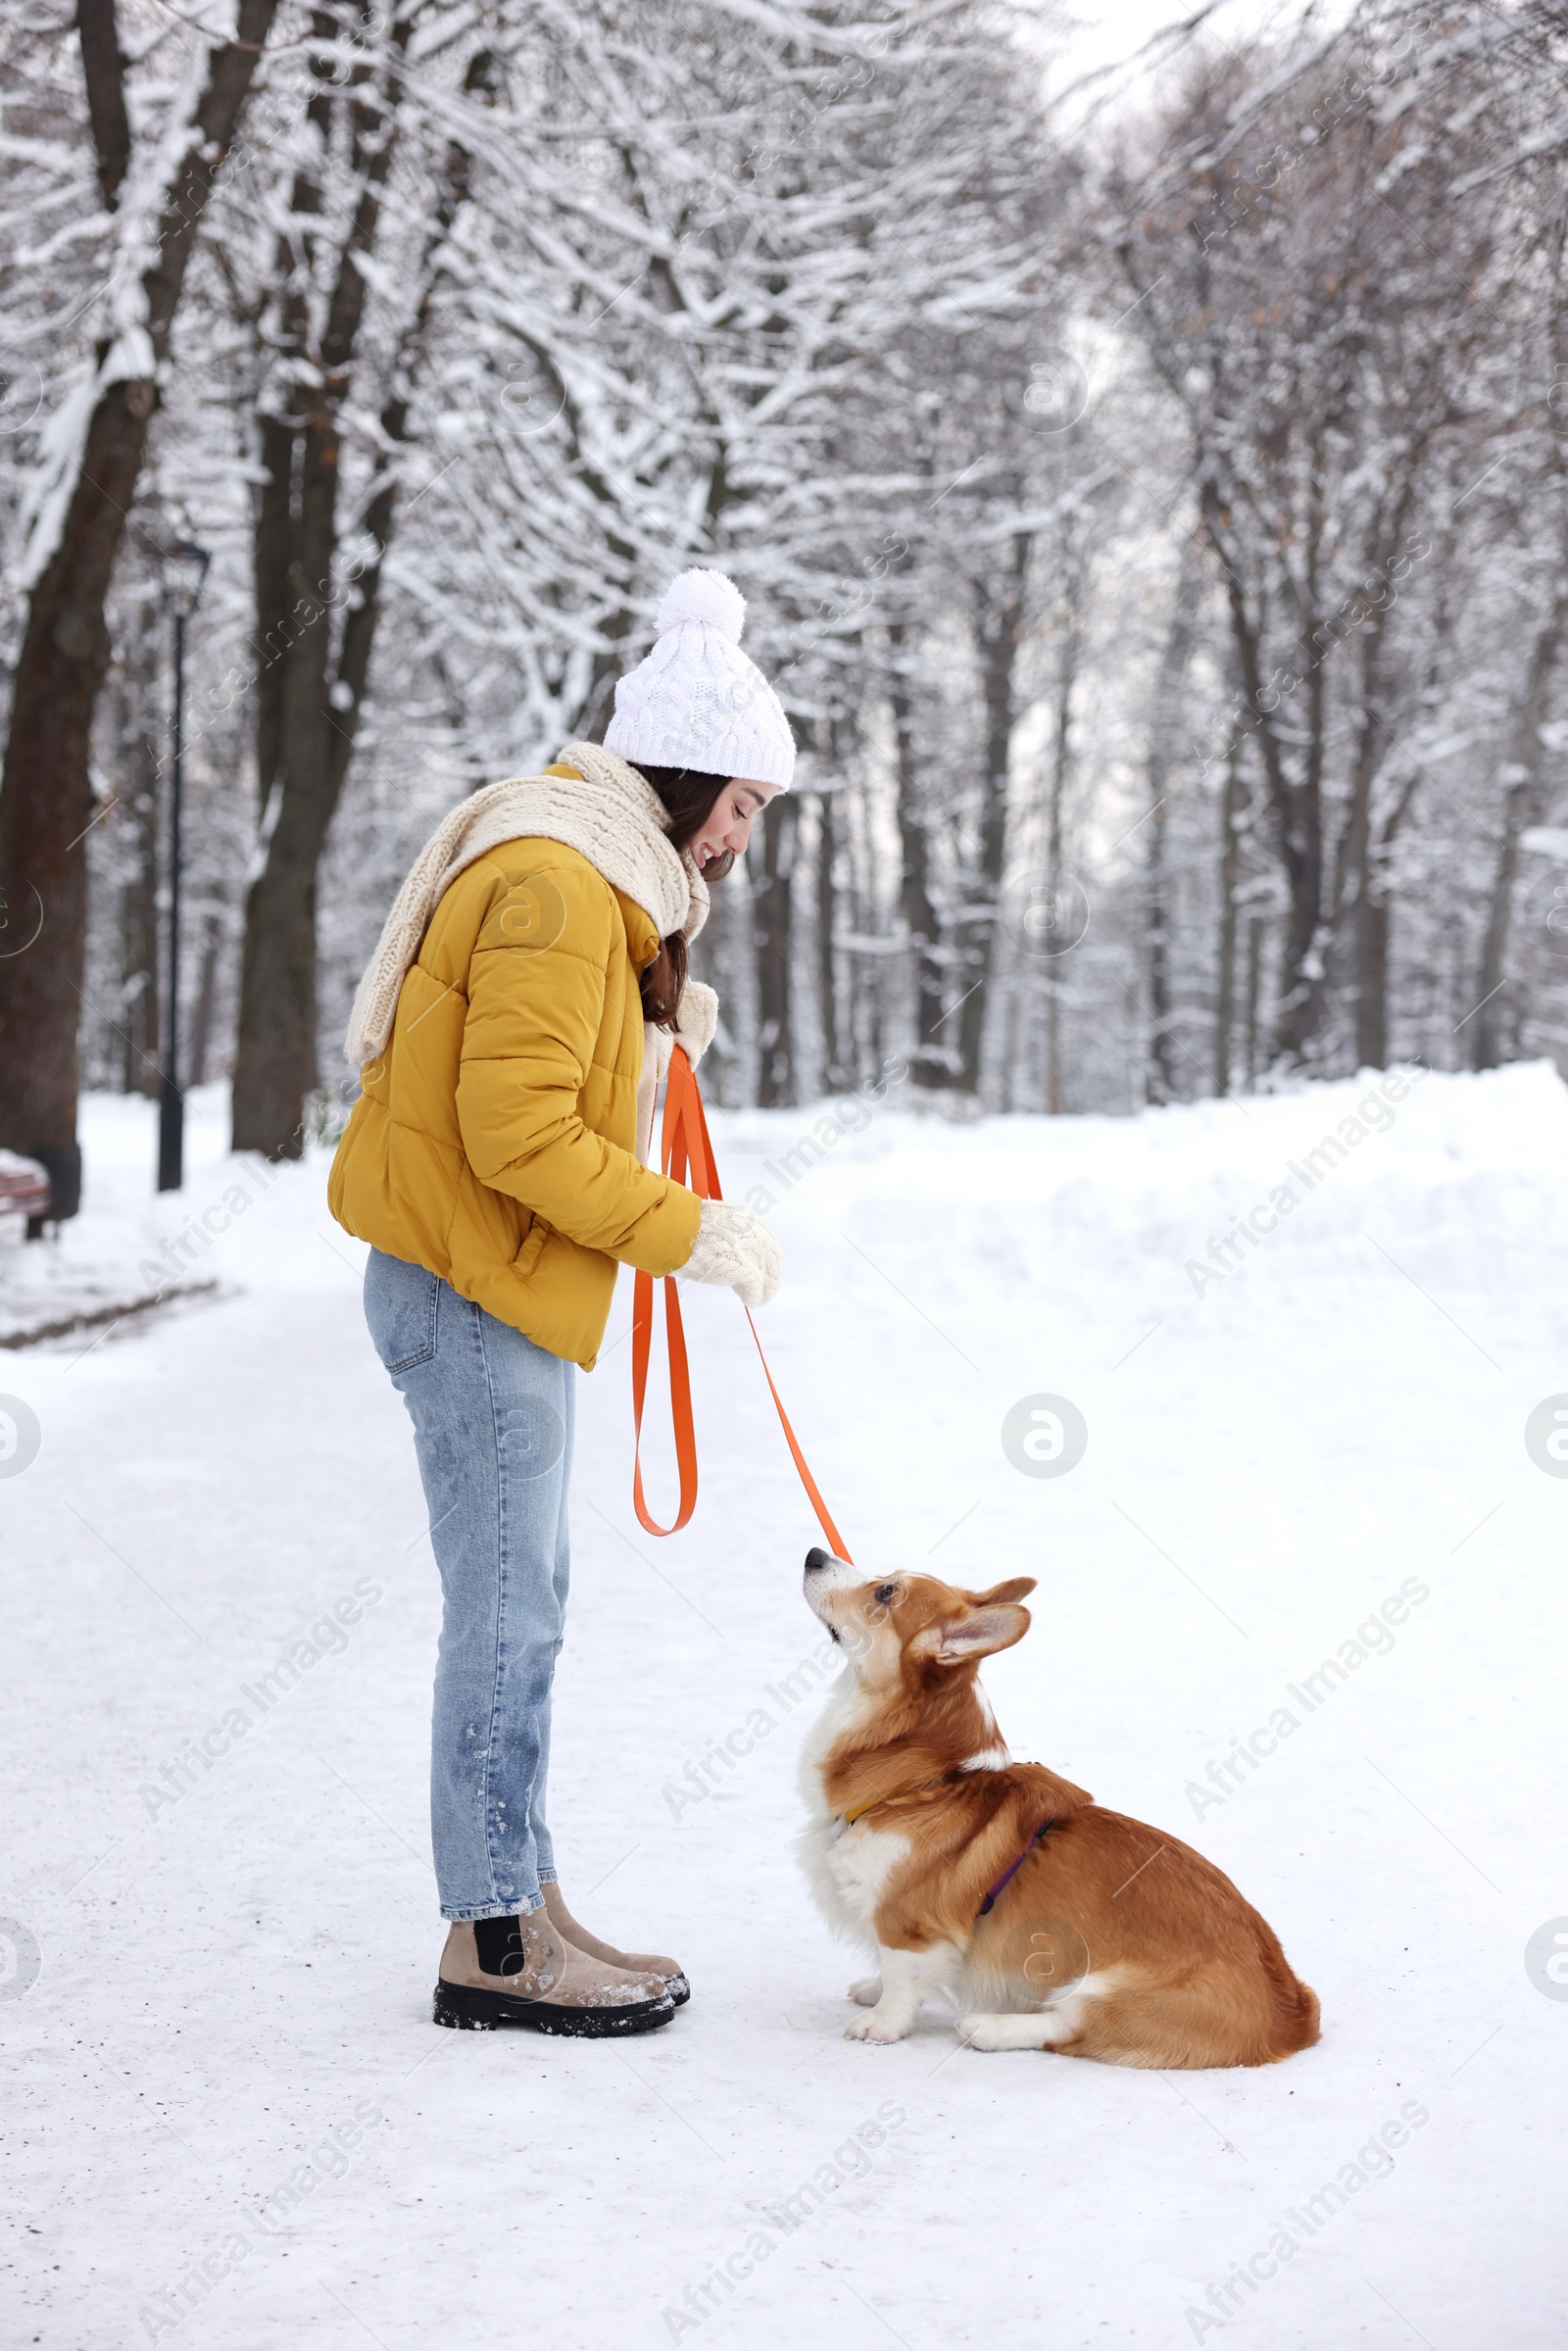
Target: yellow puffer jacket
x,y
495,1140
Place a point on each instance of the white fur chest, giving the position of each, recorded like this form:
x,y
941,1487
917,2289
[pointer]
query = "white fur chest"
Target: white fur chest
x,y
858,1867
849,1870
847,1867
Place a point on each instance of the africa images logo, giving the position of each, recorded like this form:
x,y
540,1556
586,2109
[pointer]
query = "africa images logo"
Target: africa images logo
x,y
1045,1436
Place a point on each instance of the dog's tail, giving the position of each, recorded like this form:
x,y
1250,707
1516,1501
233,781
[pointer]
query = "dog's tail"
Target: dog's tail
x,y
1309,2017
1298,2014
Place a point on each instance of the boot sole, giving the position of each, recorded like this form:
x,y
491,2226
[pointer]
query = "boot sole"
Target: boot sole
x,y
468,2008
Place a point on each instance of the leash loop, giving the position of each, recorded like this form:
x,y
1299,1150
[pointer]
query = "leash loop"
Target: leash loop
x,y
686,1154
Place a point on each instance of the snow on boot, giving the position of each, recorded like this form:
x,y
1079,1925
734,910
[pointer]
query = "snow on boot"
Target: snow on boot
x,y
518,1971
645,1963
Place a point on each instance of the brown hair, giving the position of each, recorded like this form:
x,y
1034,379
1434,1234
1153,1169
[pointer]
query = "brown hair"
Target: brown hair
x,y
690,799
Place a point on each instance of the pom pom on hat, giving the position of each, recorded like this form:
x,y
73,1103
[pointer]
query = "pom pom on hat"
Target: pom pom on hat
x,y
704,596
697,701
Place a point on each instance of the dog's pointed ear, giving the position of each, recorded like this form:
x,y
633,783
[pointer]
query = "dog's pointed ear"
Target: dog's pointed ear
x,y
1016,1588
980,1632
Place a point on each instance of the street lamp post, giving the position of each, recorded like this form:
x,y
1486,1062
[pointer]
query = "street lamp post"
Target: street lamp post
x,y
187,570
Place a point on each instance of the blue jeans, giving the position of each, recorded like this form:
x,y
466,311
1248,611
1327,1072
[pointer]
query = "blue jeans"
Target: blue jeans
x,y
492,1428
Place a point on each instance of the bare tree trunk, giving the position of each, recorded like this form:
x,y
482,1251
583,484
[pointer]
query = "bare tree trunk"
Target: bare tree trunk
x,y
1521,771
276,1061
1008,1092
774,936
201,1033
1159,1075
835,1076
1061,752
1295,802
1358,870
997,607
1485,1050
864,989
1359,867
136,821
1254,984
103,70
1374,927
46,803
1230,874
1304,1000
1373,918
933,1056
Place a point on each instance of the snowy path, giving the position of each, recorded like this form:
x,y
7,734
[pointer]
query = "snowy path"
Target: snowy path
x,y
1267,1464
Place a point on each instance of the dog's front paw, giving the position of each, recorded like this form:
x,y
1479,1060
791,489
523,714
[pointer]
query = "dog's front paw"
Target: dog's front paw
x,y
867,1992
876,2027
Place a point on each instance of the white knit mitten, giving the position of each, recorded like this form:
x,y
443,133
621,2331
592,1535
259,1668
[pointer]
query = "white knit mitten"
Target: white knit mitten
x,y
736,1248
694,1023
697,1019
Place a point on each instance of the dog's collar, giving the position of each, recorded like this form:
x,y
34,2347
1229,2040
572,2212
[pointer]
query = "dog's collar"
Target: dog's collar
x,y
857,1811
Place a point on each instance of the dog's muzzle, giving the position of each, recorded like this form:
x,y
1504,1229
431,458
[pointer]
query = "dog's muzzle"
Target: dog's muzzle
x,y
825,1575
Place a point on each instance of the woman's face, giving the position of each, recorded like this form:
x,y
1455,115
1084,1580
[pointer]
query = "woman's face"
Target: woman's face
x,y
729,825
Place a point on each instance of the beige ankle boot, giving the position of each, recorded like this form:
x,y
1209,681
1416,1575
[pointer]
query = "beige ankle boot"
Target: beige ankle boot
x,y
672,1974
519,1971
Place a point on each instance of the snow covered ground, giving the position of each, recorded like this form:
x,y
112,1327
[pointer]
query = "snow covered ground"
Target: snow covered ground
x,y
208,2149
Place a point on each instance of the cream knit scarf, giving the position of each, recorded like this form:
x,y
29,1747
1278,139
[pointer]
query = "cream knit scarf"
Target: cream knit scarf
x,y
605,812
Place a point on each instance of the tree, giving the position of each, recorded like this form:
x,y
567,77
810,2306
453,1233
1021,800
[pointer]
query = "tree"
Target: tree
x,y
316,606
1291,308
157,182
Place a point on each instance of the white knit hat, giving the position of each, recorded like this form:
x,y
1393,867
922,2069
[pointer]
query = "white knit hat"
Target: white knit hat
x,y
697,701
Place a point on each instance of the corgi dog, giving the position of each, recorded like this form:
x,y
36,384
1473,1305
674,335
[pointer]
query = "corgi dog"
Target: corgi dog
x,y
1054,1923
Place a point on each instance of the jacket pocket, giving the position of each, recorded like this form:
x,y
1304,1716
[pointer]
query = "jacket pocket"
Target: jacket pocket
x,y
400,1306
532,1249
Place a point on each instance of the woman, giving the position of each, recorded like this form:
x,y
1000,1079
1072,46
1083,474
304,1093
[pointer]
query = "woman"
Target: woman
x,y
511,1031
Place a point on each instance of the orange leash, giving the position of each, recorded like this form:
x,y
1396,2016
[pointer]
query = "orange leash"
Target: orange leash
x,y
686,1153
